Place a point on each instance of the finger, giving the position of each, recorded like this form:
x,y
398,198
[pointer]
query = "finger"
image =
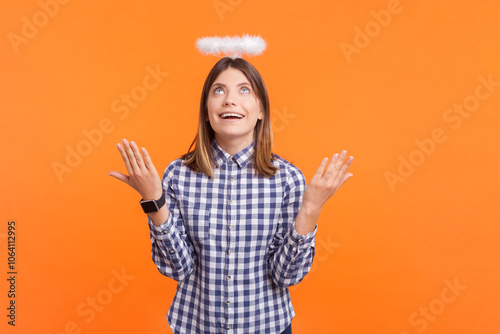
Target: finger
x,y
137,155
343,169
125,158
344,179
131,157
120,176
341,158
346,164
321,168
147,160
330,171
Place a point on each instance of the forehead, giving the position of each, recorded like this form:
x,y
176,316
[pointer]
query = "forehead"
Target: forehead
x,y
231,76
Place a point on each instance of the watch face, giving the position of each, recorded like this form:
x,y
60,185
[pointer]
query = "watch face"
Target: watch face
x,y
149,206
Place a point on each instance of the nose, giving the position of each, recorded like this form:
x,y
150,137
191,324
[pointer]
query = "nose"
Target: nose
x,y
229,100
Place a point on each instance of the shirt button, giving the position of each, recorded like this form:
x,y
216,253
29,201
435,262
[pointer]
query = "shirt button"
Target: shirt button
x,y
228,252
228,277
229,227
228,303
172,251
228,327
232,179
230,202
293,260
165,232
301,241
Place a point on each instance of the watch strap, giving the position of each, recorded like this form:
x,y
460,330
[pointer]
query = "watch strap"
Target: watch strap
x,y
152,205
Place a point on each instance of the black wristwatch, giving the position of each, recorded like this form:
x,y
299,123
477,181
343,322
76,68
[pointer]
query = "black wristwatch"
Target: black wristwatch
x,y
153,205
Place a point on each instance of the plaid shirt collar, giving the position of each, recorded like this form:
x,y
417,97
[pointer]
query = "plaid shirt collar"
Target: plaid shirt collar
x,y
242,158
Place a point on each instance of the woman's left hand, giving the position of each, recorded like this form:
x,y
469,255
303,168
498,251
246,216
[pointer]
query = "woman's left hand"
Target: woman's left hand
x,y
326,181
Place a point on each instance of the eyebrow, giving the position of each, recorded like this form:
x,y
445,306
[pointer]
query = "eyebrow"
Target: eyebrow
x,y
221,84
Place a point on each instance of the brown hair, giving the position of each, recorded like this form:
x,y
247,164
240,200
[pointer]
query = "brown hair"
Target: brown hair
x,y
200,159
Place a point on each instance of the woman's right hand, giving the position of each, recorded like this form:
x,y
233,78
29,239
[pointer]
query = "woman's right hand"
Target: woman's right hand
x,y
142,174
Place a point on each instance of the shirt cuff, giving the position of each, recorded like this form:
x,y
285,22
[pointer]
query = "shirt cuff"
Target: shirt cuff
x,y
300,244
163,231
299,247
296,238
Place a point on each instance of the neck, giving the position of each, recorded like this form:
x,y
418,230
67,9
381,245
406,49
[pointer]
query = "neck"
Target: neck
x,y
233,146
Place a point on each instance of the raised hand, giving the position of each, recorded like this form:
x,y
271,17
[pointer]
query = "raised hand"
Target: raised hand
x,y
322,186
143,176
327,181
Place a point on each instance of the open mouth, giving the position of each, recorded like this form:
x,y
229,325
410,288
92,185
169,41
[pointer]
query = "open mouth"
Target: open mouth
x,y
231,115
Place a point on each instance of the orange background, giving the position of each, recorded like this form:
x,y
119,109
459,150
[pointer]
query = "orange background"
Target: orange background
x,y
386,253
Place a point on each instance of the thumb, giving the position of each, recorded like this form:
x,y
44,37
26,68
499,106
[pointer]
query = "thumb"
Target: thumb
x,y
120,176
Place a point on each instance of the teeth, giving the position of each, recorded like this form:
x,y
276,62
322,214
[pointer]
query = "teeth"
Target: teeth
x,y
228,114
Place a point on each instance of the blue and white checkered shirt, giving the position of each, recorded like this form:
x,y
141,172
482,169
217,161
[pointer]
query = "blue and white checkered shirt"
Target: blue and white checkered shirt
x,y
231,244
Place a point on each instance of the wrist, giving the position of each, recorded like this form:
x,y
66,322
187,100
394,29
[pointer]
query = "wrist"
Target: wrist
x,y
153,205
154,195
310,209
306,219
159,217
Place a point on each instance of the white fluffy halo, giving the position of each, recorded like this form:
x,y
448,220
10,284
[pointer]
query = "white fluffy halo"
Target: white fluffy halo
x,y
233,47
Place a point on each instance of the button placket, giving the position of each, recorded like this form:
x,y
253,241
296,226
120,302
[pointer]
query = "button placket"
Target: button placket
x,y
231,215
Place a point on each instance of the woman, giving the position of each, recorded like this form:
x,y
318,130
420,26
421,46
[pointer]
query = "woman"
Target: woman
x,y
232,222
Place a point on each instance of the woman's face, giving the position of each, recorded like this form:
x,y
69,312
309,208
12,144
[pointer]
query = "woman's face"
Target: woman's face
x,y
233,108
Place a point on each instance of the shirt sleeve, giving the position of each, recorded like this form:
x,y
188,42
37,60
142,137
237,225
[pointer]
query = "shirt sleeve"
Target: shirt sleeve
x,y
291,255
171,249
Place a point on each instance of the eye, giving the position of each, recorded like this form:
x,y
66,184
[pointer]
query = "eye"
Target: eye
x,y
245,90
218,90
